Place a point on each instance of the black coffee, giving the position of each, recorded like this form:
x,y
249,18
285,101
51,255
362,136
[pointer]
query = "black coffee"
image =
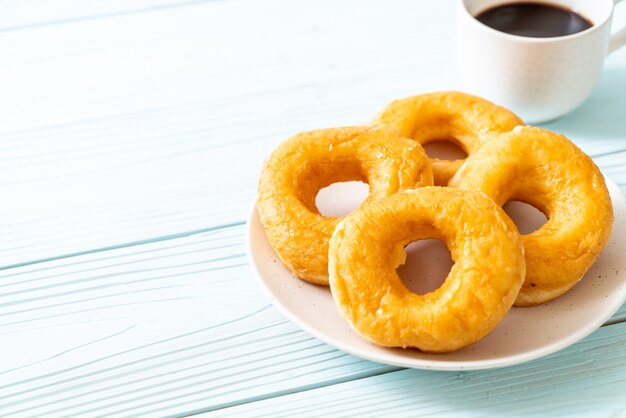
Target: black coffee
x,y
536,20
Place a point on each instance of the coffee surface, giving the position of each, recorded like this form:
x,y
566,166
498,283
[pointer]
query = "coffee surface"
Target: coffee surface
x,y
536,20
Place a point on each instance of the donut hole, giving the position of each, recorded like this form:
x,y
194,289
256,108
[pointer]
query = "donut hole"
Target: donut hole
x,y
428,263
526,217
444,149
341,198
331,188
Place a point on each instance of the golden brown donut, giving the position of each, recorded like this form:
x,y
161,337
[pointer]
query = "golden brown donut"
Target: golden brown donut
x,y
465,120
478,292
549,172
310,161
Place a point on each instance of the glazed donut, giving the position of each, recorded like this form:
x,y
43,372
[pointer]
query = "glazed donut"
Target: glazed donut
x,y
478,292
549,172
460,118
310,161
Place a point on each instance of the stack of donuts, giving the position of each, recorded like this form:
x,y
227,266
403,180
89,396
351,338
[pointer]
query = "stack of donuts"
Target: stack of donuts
x,y
413,197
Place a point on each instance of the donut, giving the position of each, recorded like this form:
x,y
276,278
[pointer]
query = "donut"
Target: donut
x,y
549,172
465,120
477,293
310,161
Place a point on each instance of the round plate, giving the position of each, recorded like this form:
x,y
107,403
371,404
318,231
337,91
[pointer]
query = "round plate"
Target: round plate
x,y
524,334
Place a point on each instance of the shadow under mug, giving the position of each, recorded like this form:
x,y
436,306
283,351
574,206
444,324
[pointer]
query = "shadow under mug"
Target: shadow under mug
x,y
540,79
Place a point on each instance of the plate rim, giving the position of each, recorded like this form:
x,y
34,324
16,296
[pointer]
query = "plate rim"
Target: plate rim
x,y
427,364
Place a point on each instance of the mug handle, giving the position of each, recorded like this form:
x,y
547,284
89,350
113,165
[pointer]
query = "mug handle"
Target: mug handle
x,y
618,39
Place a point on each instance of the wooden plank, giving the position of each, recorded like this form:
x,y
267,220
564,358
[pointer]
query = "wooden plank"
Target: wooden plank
x,y
587,379
177,324
172,326
30,14
134,135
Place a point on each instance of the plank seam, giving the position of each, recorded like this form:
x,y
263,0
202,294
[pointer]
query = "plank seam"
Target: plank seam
x,y
614,322
126,245
300,389
307,388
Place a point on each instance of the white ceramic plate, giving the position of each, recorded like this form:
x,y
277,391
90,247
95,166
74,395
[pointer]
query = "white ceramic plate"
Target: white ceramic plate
x,y
525,333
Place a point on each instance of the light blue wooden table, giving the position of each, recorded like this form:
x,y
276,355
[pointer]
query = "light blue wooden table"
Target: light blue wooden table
x,y
131,138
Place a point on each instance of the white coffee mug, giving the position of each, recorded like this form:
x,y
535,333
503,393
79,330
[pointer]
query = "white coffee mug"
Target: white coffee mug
x,y
540,79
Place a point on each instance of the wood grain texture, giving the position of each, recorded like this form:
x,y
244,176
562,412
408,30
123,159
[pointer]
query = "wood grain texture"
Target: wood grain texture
x,y
158,329
136,134
587,379
131,140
